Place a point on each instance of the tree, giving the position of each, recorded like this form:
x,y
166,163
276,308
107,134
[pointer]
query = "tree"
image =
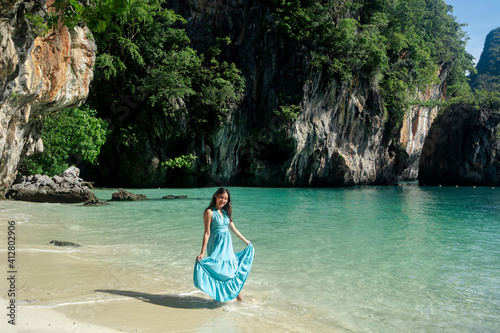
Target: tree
x,y
146,73
398,44
71,136
488,67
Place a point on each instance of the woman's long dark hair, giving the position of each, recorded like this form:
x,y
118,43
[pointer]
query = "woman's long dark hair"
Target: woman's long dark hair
x,y
227,207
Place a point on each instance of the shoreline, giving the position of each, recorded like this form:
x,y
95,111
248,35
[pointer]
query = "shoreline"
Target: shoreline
x,y
133,271
60,289
67,289
41,320
60,292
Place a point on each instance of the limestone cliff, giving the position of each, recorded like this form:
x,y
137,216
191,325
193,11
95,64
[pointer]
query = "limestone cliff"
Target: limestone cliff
x,y
336,135
38,76
340,137
463,148
416,126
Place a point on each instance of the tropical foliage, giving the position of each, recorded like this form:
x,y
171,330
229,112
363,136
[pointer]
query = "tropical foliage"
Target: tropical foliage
x,y
148,75
71,136
400,45
145,68
141,54
479,100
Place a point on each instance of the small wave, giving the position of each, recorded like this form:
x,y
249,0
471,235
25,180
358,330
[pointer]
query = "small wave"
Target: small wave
x,y
190,293
51,306
48,250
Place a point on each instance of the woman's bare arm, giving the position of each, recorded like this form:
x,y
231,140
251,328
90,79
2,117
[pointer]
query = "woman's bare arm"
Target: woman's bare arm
x,y
237,233
207,219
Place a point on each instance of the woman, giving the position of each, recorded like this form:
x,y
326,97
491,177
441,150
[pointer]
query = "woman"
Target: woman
x,y
222,273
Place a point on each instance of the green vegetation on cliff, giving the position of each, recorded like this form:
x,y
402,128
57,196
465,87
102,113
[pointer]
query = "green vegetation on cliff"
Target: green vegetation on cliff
x,y
477,100
141,54
488,67
166,96
145,70
399,45
69,137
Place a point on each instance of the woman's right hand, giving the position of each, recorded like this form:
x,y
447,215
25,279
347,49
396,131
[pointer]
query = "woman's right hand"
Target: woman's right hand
x,y
198,258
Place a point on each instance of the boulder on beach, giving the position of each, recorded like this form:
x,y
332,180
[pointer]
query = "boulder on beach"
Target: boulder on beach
x,y
123,195
64,188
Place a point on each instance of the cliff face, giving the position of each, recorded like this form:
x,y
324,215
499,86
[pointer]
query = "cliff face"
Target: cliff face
x,y
342,138
416,126
38,76
339,137
462,148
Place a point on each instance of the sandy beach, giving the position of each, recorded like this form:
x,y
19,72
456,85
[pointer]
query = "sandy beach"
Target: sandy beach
x,y
59,292
60,289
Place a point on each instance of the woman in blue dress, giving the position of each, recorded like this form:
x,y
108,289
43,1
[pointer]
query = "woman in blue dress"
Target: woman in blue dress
x,y
222,273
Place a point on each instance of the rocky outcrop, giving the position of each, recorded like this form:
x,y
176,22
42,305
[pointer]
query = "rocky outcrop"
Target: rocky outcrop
x,y
342,139
94,202
462,148
416,125
123,195
65,188
38,76
339,138
488,66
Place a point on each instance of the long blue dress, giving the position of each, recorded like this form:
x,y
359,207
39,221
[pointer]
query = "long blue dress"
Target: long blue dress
x,y
222,273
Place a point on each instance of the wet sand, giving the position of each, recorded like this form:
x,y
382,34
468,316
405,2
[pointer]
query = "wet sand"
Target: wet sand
x,y
58,290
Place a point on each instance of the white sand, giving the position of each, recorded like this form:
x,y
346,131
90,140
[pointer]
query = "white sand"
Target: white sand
x,y
42,320
60,292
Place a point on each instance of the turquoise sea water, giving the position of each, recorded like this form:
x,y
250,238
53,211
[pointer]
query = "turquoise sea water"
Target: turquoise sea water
x,y
362,259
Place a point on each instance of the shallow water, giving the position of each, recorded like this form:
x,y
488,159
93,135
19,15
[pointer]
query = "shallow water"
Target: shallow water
x,y
362,259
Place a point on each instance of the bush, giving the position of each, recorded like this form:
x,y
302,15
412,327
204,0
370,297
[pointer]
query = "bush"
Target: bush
x,y
69,137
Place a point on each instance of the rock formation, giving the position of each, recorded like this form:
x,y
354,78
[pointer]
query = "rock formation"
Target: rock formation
x,y
123,195
416,125
94,202
488,66
462,148
65,188
340,137
38,76
171,196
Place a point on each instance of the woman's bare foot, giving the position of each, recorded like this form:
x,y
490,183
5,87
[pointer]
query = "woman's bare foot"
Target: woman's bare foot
x,y
239,298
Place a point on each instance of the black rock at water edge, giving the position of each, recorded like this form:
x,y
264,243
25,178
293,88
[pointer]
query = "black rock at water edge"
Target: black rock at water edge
x,y
170,196
64,243
94,202
123,195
